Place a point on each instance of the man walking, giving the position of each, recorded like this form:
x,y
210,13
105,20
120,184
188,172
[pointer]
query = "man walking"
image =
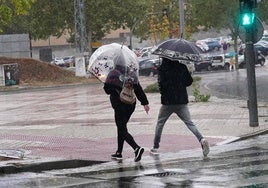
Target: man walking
x,y
173,78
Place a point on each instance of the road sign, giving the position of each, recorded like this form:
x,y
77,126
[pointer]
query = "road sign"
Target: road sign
x,y
257,31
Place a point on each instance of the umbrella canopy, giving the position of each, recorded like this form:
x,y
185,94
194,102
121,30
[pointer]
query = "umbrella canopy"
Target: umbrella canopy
x,y
114,63
230,54
177,49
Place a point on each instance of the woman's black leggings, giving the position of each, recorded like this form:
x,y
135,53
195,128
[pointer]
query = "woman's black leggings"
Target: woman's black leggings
x,y
122,114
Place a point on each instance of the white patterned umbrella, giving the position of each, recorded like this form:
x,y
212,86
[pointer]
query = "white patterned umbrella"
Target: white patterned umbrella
x,y
114,60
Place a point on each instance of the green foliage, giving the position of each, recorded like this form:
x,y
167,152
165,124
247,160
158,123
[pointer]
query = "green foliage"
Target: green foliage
x,y
54,17
196,78
153,88
152,22
6,15
43,18
12,8
218,12
261,10
199,97
222,14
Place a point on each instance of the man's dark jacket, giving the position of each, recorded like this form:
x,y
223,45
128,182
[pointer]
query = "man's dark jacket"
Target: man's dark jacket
x,y
173,78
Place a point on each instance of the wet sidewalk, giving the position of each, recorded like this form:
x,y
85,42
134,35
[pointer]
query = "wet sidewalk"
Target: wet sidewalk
x,y
77,123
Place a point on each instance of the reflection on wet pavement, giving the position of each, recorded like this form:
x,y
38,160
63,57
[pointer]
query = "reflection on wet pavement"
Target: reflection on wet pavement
x,y
241,165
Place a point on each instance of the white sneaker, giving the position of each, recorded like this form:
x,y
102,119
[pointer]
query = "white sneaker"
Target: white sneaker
x,y
205,147
154,151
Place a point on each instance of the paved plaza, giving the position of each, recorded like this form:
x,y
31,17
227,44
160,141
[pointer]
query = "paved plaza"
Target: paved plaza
x,y
76,122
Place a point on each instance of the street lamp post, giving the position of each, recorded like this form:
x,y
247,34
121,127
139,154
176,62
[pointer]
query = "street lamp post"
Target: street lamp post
x,y
131,33
181,9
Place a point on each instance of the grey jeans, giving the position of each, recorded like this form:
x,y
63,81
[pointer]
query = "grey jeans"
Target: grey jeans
x,y
182,112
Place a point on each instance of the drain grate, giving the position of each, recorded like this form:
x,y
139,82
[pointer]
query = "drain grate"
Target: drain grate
x,y
164,174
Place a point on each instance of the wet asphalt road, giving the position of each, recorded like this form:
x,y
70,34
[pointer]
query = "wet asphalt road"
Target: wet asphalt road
x,y
239,164
225,84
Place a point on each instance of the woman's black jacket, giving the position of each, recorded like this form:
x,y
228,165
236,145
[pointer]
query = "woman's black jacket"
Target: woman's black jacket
x,y
114,92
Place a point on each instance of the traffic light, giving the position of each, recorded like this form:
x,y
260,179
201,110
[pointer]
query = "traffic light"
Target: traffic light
x,y
247,17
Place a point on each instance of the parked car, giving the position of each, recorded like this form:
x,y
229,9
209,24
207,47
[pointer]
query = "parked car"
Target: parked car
x,y
265,39
209,44
213,45
202,45
148,67
203,64
261,46
218,61
232,54
226,39
144,52
69,61
265,33
58,61
260,60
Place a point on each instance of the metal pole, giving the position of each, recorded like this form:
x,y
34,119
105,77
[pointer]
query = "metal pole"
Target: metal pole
x,y
251,79
131,33
80,26
130,39
181,9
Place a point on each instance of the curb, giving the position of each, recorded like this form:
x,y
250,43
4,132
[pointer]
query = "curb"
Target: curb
x,y
245,136
40,88
13,168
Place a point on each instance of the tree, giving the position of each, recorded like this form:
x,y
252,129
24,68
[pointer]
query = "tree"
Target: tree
x,y
11,8
220,15
261,11
161,21
54,17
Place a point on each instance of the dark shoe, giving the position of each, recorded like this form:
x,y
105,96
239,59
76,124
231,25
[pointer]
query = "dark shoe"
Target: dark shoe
x,y
117,156
138,153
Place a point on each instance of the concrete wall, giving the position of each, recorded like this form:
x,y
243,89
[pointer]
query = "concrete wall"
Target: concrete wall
x,y
15,45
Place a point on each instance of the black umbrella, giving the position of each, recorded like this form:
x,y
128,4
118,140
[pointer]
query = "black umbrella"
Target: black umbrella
x,y
177,49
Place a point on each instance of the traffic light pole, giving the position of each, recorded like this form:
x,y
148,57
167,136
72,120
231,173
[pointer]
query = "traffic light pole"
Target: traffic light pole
x,y
251,79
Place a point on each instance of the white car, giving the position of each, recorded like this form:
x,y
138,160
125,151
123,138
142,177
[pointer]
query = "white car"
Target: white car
x,y
69,59
202,45
58,61
226,39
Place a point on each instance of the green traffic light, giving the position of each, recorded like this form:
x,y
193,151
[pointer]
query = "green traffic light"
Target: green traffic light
x,y
248,19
